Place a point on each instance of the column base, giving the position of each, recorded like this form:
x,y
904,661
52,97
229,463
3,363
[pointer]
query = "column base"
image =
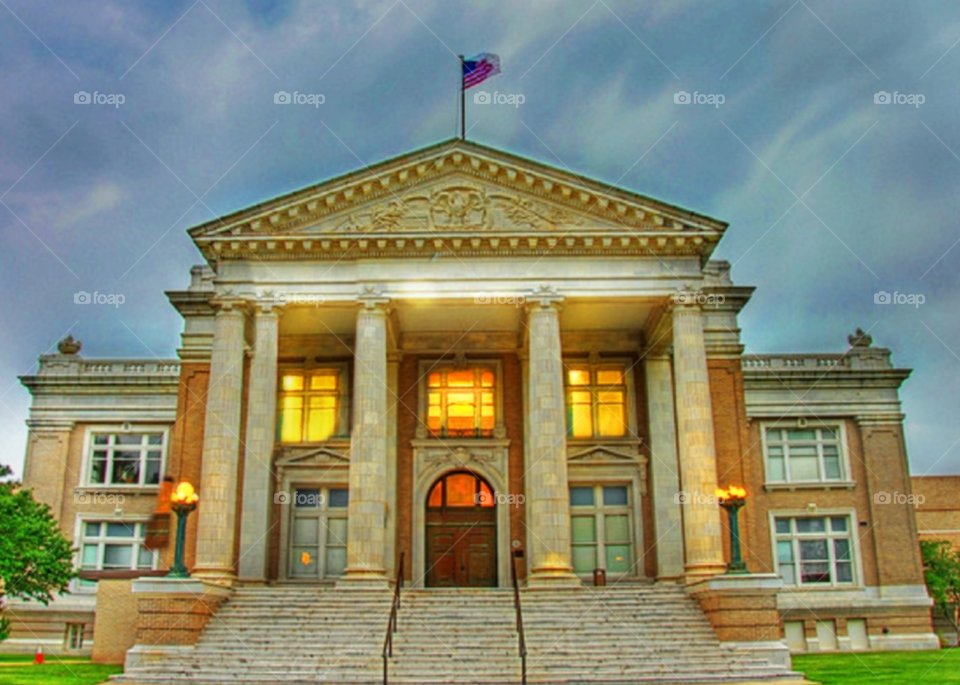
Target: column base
x,y
548,580
698,573
364,579
214,576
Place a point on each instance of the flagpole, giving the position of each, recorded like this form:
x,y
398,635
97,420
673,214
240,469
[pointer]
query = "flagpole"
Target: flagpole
x,y
463,113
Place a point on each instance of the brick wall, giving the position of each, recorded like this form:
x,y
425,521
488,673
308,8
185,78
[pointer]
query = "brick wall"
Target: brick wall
x,y
116,621
938,517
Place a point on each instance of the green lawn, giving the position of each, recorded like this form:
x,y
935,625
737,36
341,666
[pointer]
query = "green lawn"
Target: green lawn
x,y
56,671
941,667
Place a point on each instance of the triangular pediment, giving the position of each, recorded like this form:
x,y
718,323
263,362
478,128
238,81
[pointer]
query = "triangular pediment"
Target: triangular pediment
x,y
605,453
466,195
326,456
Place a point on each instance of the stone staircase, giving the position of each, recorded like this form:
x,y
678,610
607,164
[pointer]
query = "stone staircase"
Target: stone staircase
x,y
616,636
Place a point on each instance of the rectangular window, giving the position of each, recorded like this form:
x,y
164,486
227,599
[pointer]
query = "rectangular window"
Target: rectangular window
x,y
814,551
114,546
461,402
309,405
319,533
596,401
73,636
811,455
600,529
126,458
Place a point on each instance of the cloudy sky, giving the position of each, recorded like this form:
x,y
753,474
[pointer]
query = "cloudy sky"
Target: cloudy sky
x,y
831,197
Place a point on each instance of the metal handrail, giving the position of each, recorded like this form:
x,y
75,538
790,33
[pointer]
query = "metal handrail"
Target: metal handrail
x,y
392,621
521,639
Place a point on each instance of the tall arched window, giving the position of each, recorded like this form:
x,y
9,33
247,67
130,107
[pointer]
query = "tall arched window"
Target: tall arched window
x,y
458,490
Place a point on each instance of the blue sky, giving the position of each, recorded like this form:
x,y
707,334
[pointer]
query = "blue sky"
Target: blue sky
x,y
98,197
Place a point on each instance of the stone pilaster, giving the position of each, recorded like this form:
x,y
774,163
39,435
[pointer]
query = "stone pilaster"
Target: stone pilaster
x,y
664,466
698,459
548,495
217,512
45,469
258,456
366,532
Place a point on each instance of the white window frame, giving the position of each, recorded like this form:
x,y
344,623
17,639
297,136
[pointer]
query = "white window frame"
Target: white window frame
x,y
426,367
323,515
629,404
852,536
80,537
86,482
598,511
838,426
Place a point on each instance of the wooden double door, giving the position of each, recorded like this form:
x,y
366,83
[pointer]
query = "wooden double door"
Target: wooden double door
x,y
461,542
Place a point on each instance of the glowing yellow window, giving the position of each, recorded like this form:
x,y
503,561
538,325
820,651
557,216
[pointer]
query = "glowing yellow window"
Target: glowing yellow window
x,y
461,402
309,405
596,401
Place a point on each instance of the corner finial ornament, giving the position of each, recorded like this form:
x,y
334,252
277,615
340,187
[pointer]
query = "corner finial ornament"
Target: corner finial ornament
x,y
859,339
69,346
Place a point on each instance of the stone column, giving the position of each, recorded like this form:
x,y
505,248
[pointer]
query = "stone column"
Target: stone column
x,y
258,456
548,495
366,532
664,466
217,512
698,459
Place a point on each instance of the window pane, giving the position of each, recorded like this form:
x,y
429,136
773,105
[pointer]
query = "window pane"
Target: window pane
x,y
322,422
580,415
325,381
126,468
90,554
803,463
121,530
339,498
583,529
307,499
815,573
841,550
774,435
618,558
117,556
460,379
609,377
581,496
434,380
794,435
813,550
292,382
486,497
145,558
811,525
306,531
129,439
610,415
461,490
789,574
615,495
336,561
578,377
616,528
828,434
101,439
155,439
486,379
832,465
291,419
98,469
336,531
92,530
584,558
776,469
305,562
845,572
838,524
152,474
436,496
785,551
783,526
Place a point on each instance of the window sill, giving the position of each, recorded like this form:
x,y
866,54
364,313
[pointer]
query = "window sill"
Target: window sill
x,y
818,485
101,488
802,589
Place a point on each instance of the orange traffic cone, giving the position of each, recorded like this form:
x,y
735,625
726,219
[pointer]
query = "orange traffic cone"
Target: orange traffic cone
x,y
37,660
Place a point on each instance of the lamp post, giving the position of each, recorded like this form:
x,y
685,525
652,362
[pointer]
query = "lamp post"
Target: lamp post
x,y
732,500
182,502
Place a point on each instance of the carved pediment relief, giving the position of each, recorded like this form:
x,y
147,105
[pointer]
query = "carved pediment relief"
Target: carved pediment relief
x,y
292,457
484,458
604,453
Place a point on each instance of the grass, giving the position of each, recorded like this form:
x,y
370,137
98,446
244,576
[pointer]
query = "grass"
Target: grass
x,y
940,667
18,669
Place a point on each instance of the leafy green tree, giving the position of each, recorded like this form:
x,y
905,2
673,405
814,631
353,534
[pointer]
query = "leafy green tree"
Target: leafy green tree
x,y
36,560
941,566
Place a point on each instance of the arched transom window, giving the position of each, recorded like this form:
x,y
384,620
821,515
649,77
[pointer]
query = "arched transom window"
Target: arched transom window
x,y
461,489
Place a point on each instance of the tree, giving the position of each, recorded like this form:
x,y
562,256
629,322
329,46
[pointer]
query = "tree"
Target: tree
x,y
36,560
941,566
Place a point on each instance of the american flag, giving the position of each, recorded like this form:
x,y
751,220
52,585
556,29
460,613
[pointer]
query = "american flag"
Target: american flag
x,y
479,68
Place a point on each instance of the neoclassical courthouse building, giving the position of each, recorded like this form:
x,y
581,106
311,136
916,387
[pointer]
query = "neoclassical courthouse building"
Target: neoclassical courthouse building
x,y
458,358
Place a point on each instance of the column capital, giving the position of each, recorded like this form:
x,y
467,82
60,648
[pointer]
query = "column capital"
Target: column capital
x,y
371,297
229,304
267,306
544,297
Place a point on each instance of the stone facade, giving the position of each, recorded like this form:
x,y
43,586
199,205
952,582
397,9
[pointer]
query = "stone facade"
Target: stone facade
x,y
616,397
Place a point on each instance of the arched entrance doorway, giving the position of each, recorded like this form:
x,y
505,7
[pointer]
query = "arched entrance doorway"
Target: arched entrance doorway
x,y
461,533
